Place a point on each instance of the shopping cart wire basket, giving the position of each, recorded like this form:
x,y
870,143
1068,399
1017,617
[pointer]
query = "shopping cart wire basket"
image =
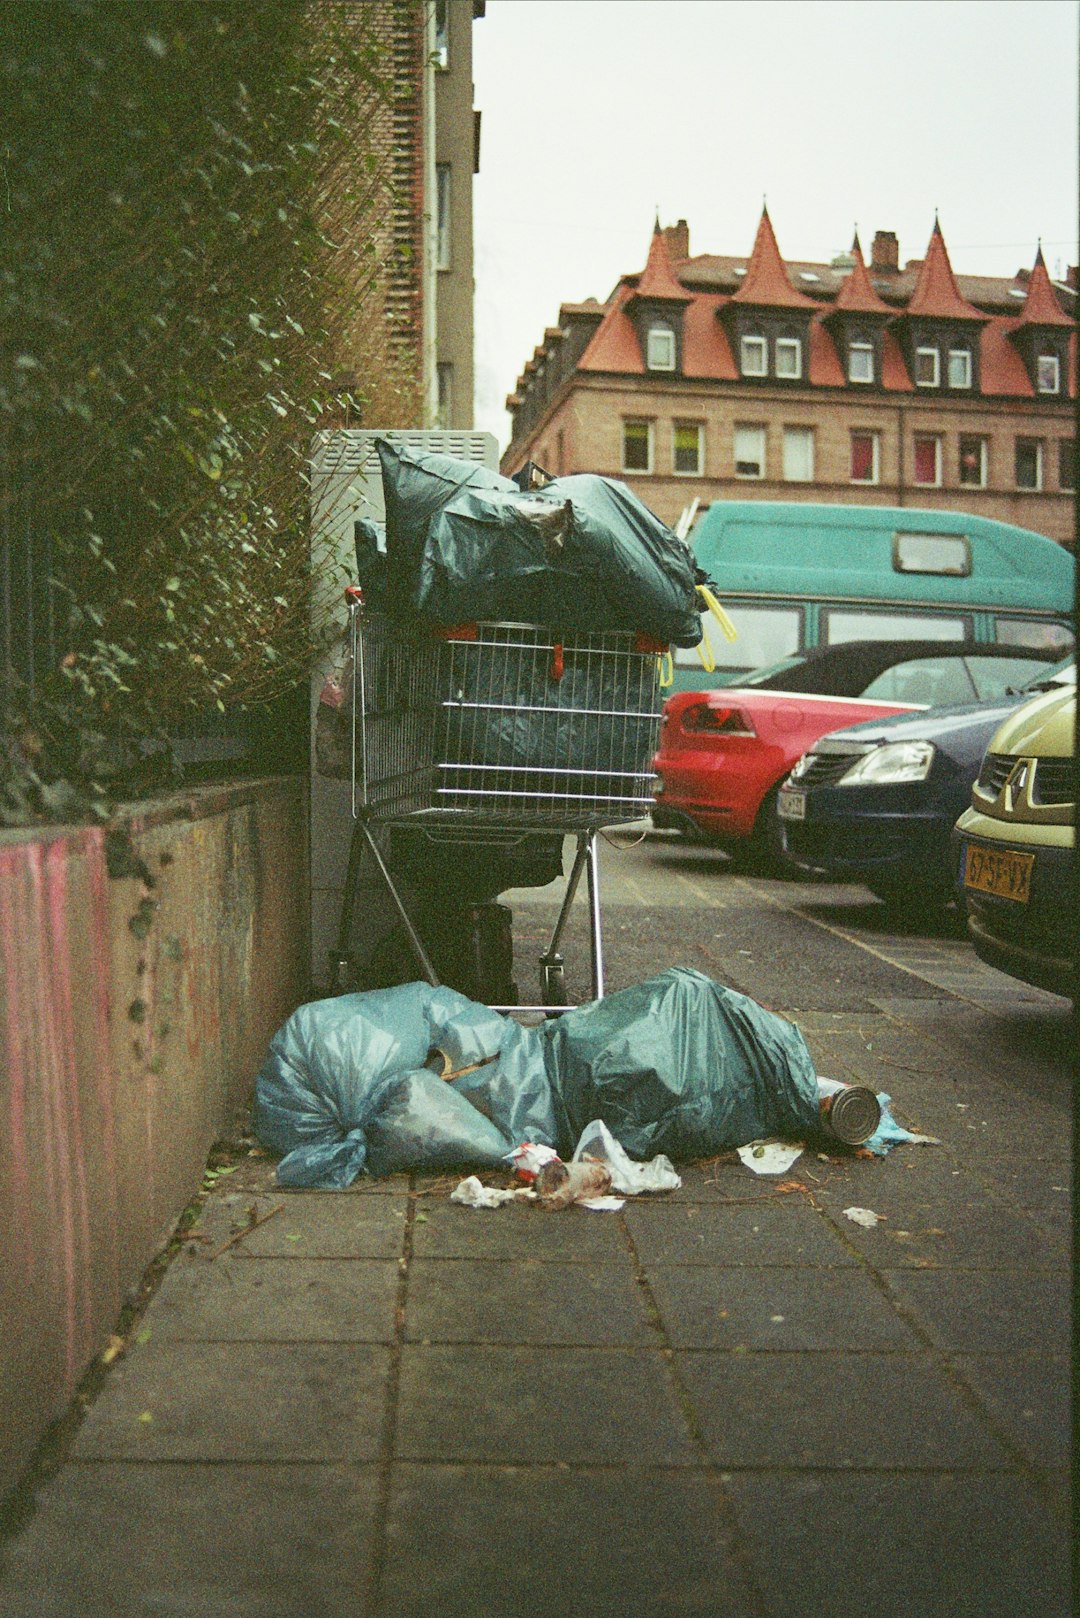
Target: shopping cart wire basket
x,y
495,729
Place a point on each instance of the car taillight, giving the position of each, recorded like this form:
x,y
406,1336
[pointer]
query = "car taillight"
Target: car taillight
x,y
704,718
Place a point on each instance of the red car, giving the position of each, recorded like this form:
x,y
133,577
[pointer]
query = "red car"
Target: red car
x,y
724,753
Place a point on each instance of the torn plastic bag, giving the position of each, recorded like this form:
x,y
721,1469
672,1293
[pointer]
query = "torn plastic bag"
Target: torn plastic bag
x,y
627,1177
681,1065
344,1086
416,486
581,555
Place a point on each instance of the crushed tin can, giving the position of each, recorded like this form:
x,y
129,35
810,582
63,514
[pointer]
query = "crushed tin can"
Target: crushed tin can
x,y
849,1112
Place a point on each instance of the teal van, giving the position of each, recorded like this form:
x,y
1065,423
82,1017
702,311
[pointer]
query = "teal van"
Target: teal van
x,y
793,575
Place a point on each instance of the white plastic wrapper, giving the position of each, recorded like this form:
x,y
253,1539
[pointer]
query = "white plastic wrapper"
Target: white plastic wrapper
x,y
627,1177
770,1156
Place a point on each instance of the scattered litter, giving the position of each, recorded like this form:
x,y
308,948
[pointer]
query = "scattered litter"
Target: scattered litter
x,y
890,1133
863,1216
849,1112
770,1156
528,1159
559,1184
598,1143
474,1195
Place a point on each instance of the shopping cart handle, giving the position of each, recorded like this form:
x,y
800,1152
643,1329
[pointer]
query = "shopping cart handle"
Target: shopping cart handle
x,y
354,594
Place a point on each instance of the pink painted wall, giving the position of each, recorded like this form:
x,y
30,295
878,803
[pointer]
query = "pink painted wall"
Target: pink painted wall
x,y
128,1038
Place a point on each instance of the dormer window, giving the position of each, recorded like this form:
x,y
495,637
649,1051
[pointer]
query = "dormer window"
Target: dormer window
x,y
959,367
754,354
789,357
927,368
1048,373
860,362
660,349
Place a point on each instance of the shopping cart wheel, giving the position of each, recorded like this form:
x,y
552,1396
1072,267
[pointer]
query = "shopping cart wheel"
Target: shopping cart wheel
x,y
552,981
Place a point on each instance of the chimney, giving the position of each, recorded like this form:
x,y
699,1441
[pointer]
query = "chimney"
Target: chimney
x,y
885,253
1071,276
678,239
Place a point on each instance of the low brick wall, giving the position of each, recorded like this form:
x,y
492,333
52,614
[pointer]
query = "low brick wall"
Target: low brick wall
x,y
143,968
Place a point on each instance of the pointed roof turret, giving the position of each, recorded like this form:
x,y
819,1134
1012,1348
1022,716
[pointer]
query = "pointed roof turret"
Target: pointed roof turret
x,y
936,295
856,295
1041,307
658,282
766,284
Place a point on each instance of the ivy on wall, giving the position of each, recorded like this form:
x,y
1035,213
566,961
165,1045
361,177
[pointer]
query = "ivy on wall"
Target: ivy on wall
x,y
193,201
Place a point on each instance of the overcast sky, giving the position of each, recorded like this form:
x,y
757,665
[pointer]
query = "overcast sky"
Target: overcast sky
x,y
598,113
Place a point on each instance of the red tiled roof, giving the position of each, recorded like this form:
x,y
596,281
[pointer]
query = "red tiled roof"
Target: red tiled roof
x,y
1042,307
658,280
766,284
823,367
856,295
1001,370
936,293
894,373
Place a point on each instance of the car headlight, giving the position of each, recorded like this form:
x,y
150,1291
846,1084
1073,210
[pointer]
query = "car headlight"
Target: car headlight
x,y
894,762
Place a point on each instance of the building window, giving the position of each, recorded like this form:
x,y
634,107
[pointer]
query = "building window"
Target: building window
x,y
442,216
1048,374
1028,463
444,377
865,457
637,446
755,356
973,461
687,452
927,368
442,34
959,367
860,362
1067,463
789,357
660,349
749,452
928,459
798,454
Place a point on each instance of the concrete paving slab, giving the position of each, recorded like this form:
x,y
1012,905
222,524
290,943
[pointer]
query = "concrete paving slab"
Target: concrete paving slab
x,y
525,1302
1029,1396
997,1311
468,1542
276,1299
834,1411
721,1179
775,1309
196,1541
240,1402
929,1544
950,1235
790,1232
568,1236
308,1224
571,1406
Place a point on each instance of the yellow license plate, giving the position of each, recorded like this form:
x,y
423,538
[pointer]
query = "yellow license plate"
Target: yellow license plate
x,y
999,871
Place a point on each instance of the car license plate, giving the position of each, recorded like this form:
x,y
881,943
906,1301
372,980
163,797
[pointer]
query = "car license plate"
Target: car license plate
x,y
999,871
792,805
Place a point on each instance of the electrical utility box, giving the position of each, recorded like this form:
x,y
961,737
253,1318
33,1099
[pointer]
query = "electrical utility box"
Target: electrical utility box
x,y
346,485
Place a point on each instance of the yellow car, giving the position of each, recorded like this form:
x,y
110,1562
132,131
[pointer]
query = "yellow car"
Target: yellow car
x,y
1017,842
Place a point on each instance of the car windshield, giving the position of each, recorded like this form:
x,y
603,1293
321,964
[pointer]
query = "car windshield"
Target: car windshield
x,y
1063,673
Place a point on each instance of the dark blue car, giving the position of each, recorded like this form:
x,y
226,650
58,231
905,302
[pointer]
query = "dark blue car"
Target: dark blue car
x,y
876,803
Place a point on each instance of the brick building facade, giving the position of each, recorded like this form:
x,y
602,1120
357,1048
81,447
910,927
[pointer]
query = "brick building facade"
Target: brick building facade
x,y
717,378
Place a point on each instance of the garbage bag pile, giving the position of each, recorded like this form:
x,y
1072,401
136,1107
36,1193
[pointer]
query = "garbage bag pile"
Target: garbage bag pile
x,y
580,555
678,1065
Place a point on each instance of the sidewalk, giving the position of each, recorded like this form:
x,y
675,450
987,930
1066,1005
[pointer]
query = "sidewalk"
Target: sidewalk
x,y
731,1401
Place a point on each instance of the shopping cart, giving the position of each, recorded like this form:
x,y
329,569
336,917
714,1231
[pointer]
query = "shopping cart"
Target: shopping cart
x,y
490,733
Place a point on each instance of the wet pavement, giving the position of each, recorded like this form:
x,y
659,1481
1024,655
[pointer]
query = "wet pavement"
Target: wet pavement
x,y
728,1401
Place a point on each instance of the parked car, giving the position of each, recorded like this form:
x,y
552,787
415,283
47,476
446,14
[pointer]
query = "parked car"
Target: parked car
x,y
876,803
723,753
1016,846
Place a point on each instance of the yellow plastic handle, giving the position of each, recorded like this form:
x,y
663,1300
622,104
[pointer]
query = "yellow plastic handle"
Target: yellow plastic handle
x,y
718,612
665,668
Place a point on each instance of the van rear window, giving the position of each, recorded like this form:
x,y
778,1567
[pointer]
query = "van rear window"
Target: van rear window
x,y
932,553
